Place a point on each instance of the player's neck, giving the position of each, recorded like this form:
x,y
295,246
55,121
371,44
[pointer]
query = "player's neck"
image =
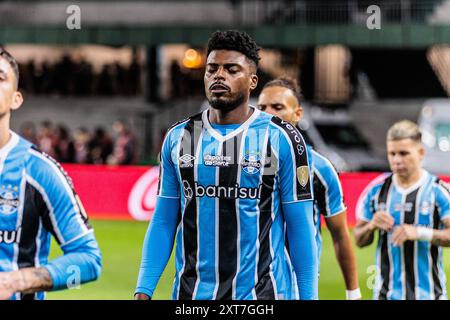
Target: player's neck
x,y
407,181
5,134
235,116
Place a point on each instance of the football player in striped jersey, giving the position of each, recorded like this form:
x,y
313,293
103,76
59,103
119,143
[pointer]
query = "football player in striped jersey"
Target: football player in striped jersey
x,y
37,201
410,210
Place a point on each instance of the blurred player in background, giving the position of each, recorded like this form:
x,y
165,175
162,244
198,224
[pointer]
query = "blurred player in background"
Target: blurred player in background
x,y
231,179
281,97
410,208
37,200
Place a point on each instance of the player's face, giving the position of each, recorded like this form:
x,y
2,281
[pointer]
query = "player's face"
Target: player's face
x,y
280,102
10,98
229,78
405,156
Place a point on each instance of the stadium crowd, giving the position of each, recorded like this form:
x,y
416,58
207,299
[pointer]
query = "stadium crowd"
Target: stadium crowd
x,y
84,147
78,78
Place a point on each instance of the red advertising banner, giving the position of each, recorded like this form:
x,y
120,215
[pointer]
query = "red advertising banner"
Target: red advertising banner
x,y
129,192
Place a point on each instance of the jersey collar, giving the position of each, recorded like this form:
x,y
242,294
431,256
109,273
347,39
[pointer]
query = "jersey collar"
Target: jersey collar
x,y
6,149
421,181
216,134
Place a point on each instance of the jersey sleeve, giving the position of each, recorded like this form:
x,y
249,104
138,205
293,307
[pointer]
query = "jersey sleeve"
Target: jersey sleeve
x,y
294,167
443,199
168,185
61,209
365,207
333,197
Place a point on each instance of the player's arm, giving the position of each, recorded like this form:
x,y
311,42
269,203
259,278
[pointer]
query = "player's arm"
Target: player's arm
x,y
343,248
335,212
303,247
297,204
370,219
63,215
158,244
27,280
159,239
438,237
364,230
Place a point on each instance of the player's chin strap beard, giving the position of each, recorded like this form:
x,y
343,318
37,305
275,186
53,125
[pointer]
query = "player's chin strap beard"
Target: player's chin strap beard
x,y
227,106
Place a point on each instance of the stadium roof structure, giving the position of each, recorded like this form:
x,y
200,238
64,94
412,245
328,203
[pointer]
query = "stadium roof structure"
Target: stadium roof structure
x,y
294,23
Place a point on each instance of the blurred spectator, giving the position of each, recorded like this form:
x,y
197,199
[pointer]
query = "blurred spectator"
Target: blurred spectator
x,y
28,131
84,78
65,148
134,75
105,83
125,146
62,79
121,85
100,146
82,138
46,139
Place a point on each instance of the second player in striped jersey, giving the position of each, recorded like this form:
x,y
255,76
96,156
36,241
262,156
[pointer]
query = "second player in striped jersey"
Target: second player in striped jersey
x,y
281,97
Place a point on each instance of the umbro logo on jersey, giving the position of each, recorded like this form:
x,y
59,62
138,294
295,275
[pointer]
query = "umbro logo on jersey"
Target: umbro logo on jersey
x,y
187,161
9,200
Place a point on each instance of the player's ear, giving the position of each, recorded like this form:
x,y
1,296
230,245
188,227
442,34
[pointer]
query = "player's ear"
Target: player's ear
x,y
253,81
421,151
17,100
298,113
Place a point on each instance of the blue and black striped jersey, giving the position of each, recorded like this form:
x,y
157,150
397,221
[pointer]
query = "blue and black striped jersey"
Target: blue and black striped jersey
x,y
414,270
231,181
37,200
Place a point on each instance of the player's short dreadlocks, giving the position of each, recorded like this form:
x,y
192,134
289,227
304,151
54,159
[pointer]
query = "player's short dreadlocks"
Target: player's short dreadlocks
x,y
288,83
234,40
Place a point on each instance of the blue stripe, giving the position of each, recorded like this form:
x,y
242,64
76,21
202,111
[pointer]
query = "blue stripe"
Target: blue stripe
x,y
248,218
424,218
397,281
207,258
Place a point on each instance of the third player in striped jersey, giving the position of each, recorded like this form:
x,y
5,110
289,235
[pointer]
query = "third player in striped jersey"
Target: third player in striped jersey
x,y
410,208
281,97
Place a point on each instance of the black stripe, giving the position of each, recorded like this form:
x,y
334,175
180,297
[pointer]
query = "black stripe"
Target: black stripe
x,y
409,247
383,242
228,221
33,205
434,251
320,194
264,287
82,212
189,144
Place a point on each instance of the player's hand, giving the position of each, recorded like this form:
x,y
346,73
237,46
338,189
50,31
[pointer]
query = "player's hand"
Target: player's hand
x,y
403,233
7,285
141,296
383,221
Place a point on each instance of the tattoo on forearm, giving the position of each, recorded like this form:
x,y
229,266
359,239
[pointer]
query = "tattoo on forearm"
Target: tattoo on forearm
x,y
36,279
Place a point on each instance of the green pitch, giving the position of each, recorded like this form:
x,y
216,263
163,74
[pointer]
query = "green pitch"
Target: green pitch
x,y
121,244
